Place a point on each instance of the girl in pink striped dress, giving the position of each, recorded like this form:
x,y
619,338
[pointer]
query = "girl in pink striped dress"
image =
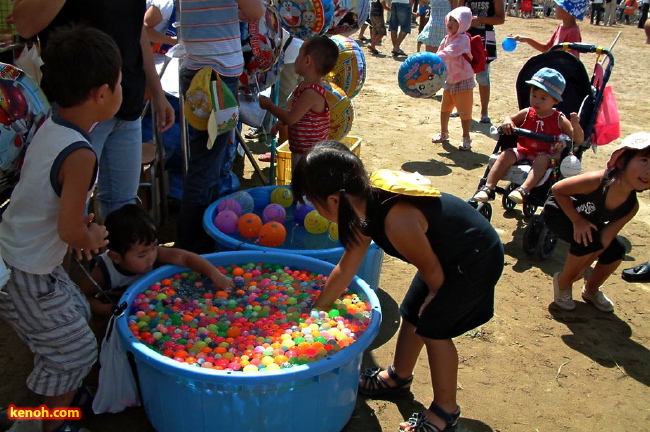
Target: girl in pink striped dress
x,y
308,117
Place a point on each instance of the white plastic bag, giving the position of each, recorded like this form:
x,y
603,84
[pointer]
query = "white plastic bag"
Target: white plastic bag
x,y
30,62
117,388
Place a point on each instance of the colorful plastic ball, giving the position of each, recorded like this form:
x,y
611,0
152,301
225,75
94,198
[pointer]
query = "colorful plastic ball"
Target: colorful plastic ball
x,y
261,197
300,213
272,234
350,70
245,201
341,111
226,221
230,204
421,75
249,225
282,196
509,44
274,213
334,231
315,223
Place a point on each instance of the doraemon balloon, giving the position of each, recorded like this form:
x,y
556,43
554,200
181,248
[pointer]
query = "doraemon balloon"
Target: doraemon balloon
x,y
306,18
23,109
422,75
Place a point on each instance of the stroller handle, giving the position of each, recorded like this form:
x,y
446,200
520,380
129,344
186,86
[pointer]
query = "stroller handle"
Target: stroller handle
x,y
563,139
582,48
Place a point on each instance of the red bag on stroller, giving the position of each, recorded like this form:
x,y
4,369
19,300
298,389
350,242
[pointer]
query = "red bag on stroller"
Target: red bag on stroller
x,y
607,127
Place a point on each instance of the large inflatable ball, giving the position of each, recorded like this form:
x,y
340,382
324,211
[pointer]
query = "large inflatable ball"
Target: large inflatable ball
x,y
350,70
341,111
422,75
306,18
262,43
23,109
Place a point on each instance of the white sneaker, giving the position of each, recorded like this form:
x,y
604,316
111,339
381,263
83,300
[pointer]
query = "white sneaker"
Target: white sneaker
x,y
465,144
599,300
562,298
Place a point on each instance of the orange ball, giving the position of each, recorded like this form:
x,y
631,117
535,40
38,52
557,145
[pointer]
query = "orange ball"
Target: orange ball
x,y
272,234
249,225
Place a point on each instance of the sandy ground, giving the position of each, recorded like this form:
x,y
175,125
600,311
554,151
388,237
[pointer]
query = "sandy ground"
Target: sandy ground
x,y
532,368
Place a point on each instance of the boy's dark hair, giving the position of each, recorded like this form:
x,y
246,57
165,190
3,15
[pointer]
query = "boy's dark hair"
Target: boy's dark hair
x,y
324,52
127,226
331,168
77,60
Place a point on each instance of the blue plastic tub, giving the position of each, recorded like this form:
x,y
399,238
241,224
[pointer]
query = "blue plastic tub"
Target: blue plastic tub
x,y
298,240
318,397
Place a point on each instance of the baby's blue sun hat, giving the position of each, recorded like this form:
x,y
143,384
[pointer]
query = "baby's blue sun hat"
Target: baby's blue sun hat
x,y
549,80
576,8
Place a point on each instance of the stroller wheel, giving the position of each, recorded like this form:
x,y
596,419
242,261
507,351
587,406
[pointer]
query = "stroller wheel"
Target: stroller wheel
x,y
529,209
531,235
486,210
507,203
473,202
546,244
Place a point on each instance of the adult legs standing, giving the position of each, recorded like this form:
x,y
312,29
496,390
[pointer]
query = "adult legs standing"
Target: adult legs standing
x,y
201,186
644,14
610,13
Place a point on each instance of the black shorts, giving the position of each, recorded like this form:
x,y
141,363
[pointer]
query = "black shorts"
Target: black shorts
x,y
561,226
464,301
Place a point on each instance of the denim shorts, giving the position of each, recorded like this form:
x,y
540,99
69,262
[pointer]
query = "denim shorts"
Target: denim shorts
x,y
400,16
483,78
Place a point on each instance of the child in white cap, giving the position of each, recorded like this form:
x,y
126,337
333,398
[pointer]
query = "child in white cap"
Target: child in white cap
x,y
588,211
546,88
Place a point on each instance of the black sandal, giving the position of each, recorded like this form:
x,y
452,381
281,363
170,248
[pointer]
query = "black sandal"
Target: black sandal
x,y
640,273
418,422
375,385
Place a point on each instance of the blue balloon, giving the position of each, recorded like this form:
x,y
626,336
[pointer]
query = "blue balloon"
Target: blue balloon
x,y
422,74
509,44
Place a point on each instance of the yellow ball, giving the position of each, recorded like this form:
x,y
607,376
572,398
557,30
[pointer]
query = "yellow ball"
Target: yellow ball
x,y
334,231
282,196
315,223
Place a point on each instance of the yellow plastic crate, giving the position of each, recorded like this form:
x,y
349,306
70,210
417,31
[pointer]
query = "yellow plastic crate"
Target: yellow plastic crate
x,y
283,158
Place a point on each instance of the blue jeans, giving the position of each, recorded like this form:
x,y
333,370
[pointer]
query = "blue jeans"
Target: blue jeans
x,y
205,169
118,144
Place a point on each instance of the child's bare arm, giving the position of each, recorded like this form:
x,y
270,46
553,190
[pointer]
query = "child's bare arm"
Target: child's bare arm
x,y
309,99
74,227
578,133
195,262
512,121
532,42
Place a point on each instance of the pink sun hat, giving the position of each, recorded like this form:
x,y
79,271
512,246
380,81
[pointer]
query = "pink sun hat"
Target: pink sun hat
x,y
636,141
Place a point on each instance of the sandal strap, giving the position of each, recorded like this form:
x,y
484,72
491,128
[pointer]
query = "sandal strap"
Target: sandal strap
x,y
400,382
524,193
449,419
418,422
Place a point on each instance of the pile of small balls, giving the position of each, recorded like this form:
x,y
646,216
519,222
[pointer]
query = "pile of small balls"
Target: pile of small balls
x,y
265,323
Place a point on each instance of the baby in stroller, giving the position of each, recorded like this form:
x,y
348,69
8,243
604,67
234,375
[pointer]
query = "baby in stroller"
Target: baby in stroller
x,y
546,88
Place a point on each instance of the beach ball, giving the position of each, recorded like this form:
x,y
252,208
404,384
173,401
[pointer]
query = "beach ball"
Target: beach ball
x,y
306,18
570,166
249,225
341,111
272,234
509,44
350,70
23,109
230,204
315,223
245,201
334,231
274,213
282,196
300,213
421,75
226,221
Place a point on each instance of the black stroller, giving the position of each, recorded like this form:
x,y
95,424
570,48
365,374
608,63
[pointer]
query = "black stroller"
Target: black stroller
x,y
582,95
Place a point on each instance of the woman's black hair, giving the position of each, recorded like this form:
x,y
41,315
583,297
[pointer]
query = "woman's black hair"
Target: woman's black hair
x,y
127,226
623,160
331,168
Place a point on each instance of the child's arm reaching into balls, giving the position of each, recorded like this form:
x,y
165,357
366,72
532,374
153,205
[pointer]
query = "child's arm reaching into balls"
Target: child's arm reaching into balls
x,y
195,262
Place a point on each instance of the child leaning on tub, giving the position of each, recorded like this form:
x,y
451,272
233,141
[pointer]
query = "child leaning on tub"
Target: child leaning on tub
x,y
459,85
